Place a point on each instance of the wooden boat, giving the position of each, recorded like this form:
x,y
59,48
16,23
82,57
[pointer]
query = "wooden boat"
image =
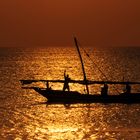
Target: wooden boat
x,y
70,97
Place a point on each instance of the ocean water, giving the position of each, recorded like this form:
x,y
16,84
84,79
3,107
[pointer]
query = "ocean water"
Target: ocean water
x,y
24,114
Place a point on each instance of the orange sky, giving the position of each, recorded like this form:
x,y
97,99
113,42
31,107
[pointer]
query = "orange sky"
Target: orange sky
x,y
54,22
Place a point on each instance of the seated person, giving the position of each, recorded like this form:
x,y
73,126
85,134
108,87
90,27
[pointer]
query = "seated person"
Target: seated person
x,y
104,90
127,89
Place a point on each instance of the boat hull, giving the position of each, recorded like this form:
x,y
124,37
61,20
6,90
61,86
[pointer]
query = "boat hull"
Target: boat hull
x,y
65,97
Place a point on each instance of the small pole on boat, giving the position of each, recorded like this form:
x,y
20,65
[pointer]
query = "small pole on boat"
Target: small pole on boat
x,y
82,64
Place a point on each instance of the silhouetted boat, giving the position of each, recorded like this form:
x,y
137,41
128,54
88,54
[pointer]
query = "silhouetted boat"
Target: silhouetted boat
x,y
70,97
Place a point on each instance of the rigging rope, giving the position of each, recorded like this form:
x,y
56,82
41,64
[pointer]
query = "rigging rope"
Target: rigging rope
x,y
97,67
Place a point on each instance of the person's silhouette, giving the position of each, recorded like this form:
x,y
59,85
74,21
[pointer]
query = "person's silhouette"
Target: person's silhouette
x,y
104,90
66,82
127,89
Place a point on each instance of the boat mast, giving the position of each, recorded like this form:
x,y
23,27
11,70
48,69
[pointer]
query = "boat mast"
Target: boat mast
x,y
82,64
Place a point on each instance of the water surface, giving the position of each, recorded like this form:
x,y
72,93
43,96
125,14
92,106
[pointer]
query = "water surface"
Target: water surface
x,y
23,114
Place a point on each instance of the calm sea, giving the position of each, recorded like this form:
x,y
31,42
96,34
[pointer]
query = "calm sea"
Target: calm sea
x,y
25,116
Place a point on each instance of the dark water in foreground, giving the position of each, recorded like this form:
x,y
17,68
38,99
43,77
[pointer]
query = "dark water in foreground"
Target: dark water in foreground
x,y
24,116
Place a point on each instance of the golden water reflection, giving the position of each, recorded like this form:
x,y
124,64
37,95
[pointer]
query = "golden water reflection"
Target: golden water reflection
x,y
80,121
23,116
57,122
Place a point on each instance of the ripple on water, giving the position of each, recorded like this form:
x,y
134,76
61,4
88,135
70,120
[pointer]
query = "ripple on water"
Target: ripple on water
x,y
24,116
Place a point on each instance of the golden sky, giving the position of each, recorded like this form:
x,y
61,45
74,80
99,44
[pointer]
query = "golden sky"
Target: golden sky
x,y
54,22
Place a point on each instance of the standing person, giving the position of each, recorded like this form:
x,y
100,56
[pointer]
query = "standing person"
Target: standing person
x,y
66,82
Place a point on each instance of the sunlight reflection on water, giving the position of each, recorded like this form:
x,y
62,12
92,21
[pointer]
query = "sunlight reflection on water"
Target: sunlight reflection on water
x,y
23,114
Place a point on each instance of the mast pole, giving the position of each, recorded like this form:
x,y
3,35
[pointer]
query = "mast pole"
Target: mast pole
x,y
82,64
